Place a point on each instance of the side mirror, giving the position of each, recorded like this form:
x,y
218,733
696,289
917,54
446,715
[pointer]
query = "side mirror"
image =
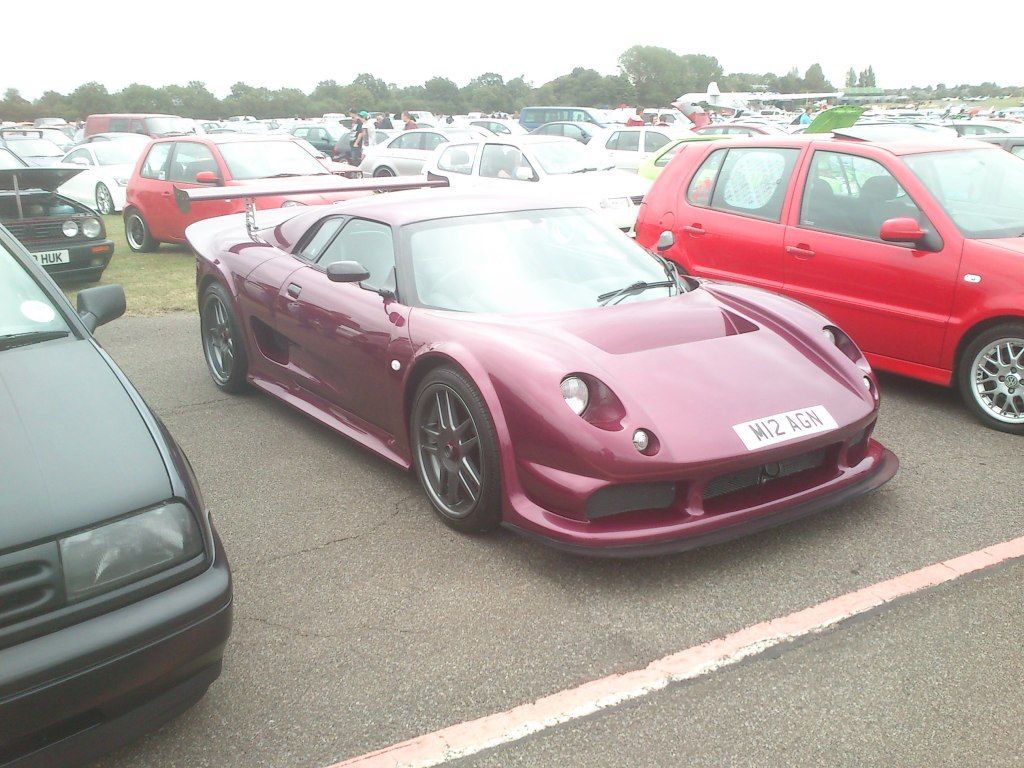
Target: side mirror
x,y
665,241
901,230
207,177
98,306
345,272
79,161
523,173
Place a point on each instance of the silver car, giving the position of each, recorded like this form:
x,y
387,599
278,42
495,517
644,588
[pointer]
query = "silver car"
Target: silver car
x,y
406,153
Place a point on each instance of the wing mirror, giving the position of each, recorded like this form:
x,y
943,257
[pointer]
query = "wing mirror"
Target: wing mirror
x,y
207,177
665,241
98,306
522,173
79,161
345,272
901,230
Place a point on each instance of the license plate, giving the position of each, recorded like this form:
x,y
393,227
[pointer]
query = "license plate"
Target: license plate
x,y
784,426
46,258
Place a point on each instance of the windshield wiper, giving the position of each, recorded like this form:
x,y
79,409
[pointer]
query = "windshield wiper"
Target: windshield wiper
x,y
672,272
31,337
637,287
585,170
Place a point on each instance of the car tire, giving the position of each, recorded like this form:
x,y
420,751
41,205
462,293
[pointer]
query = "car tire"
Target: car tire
x,y
223,345
990,376
382,172
104,200
136,232
455,452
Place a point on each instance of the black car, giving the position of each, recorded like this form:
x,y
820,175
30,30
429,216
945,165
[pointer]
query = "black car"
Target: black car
x,y
115,592
67,238
323,136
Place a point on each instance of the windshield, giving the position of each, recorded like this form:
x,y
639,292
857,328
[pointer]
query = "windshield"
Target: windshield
x,y
117,152
24,308
527,261
28,147
981,190
558,157
161,126
9,160
263,159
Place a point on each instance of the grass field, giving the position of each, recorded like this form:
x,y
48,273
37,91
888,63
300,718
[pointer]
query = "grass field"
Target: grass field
x,y
154,283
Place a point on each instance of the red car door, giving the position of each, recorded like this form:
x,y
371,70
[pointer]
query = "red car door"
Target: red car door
x,y
729,224
188,159
149,188
894,299
345,336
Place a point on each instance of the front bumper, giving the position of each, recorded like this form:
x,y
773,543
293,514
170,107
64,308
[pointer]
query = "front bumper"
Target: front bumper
x,y
638,534
73,694
87,260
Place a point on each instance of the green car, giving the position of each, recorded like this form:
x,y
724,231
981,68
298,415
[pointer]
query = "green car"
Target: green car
x,y
651,167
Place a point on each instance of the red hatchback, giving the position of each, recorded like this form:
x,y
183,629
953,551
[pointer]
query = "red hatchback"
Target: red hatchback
x,y
916,250
152,216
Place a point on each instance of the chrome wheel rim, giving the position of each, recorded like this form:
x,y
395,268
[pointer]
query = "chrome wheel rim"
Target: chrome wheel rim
x,y
998,380
104,202
448,451
383,172
135,231
218,343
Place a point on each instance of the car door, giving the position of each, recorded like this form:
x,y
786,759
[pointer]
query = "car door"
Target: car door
x,y
402,152
428,142
504,168
81,187
894,299
150,191
729,221
344,335
457,164
188,159
622,147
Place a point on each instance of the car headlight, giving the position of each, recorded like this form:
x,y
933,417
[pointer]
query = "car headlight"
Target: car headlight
x,y
91,228
290,203
615,202
69,228
128,550
575,393
121,181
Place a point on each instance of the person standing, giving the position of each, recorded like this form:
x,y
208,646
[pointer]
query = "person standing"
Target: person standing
x,y
368,128
410,124
637,119
358,135
384,122
805,116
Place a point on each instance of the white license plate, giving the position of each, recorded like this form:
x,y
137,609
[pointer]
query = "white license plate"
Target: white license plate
x,y
46,258
785,426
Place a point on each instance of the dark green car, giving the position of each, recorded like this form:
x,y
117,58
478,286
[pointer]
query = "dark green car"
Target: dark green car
x,y
323,136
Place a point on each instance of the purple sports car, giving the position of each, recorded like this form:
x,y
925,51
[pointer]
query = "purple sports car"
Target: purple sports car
x,y
537,369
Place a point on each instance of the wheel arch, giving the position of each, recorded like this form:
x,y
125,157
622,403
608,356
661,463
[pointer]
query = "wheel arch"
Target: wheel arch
x,y
976,330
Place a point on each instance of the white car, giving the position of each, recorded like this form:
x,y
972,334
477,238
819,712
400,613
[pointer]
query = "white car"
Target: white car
x,y
556,167
499,127
627,148
405,154
109,165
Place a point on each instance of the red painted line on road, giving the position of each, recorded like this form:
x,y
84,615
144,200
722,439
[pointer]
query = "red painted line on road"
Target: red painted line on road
x,y
468,738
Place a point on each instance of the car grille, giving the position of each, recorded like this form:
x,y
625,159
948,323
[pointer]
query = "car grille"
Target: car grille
x,y
762,475
637,199
37,230
30,583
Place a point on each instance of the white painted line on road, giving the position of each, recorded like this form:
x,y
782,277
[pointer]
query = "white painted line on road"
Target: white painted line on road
x,y
474,736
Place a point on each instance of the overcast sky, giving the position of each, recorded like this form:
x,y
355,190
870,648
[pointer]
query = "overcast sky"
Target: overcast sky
x,y
58,45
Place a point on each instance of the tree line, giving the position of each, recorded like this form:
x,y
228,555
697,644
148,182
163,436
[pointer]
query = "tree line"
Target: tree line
x,y
648,75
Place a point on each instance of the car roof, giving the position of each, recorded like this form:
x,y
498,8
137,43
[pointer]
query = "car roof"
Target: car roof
x,y
842,142
517,140
227,138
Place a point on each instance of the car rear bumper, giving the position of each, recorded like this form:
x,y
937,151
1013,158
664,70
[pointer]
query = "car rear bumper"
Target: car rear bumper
x,y
76,693
610,538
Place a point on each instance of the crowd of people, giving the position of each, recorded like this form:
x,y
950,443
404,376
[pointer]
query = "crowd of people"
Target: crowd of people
x,y
364,125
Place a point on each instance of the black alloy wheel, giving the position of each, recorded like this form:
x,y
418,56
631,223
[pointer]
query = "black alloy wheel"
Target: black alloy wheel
x,y
223,346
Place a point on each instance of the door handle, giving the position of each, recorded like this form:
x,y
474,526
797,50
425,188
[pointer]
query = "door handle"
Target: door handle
x,y
800,251
294,290
694,229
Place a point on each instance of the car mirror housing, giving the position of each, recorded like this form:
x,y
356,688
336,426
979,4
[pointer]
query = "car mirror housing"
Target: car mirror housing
x,y
665,241
901,230
523,173
207,177
346,272
98,306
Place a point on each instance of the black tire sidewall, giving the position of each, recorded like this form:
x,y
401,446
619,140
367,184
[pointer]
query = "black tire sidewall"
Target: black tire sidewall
x,y
965,374
110,197
236,382
486,514
148,243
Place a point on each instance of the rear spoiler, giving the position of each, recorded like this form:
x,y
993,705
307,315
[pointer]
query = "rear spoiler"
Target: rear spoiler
x,y
296,186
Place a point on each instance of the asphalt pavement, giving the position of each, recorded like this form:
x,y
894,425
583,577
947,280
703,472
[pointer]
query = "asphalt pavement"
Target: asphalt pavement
x,y
362,621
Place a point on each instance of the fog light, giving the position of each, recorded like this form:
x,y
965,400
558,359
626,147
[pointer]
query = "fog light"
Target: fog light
x,y
69,228
641,440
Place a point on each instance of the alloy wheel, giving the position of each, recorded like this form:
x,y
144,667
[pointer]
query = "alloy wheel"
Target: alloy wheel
x,y
998,380
136,232
104,201
449,451
218,341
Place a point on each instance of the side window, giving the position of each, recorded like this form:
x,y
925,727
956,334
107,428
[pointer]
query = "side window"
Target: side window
x,y
301,132
699,191
753,181
662,161
654,141
1018,150
629,141
155,166
323,235
432,141
852,195
138,126
191,158
458,159
406,141
501,162
79,157
574,132
613,141
370,243
118,125
550,130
